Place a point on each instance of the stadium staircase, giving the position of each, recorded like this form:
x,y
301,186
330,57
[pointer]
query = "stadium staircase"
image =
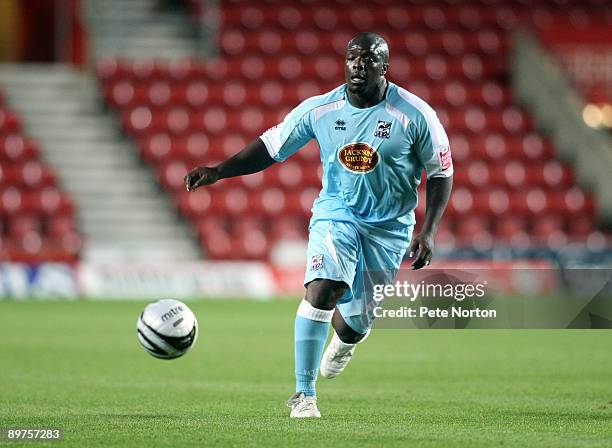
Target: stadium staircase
x,y
121,212
510,189
140,28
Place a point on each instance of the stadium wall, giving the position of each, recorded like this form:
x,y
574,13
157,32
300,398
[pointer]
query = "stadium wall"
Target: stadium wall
x,y
136,281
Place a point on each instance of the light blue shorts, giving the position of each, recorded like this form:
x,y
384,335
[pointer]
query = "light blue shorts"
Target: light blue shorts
x,y
338,251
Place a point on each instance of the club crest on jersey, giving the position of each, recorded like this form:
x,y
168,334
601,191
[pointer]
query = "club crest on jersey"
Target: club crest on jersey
x,y
316,263
358,157
383,129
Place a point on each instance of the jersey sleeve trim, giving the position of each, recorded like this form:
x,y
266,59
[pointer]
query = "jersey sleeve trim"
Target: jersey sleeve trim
x,y
436,157
273,138
320,111
398,114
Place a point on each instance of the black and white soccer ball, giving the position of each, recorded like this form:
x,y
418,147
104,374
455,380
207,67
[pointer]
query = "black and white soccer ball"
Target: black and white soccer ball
x,y
167,329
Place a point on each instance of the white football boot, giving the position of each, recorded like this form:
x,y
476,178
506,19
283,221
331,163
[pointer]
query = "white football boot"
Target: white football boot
x,y
303,406
337,356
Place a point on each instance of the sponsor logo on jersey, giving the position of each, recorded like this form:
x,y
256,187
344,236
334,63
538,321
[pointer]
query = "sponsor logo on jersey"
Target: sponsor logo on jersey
x,y
445,158
358,157
316,262
340,125
383,129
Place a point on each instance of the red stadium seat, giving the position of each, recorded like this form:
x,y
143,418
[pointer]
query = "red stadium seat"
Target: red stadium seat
x,y
29,199
172,175
288,228
325,19
235,201
58,226
15,148
306,42
218,245
546,226
269,202
461,201
478,174
10,201
9,122
509,227
23,224
199,203
34,174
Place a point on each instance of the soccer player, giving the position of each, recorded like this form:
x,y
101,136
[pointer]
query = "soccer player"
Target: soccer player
x,y
375,139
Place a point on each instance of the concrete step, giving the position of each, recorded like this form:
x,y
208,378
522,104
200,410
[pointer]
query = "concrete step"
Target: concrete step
x,y
11,75
122,179
73,145
74,148
90,160
92,134
151,231
114,186
79,168
124,204
107,252
69,121
169,243
140,29
136,53
47,106
109,218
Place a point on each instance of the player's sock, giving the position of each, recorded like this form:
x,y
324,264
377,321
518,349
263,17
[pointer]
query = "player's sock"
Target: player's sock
x,y
311,331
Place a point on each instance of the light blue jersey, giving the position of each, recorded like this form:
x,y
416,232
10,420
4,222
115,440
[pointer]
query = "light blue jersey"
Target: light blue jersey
x,y
372,158
372,162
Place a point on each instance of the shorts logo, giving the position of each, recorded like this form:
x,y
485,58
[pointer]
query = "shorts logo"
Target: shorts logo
x,y
358,157
383,129
316,262
445,158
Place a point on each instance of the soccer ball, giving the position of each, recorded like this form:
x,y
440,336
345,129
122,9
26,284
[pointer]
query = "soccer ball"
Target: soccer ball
x,y
167,329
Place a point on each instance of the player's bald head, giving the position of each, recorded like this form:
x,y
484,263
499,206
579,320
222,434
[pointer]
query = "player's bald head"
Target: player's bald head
x,y
372,41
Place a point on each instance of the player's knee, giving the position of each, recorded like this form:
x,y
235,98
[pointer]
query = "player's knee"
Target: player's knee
x,y
349,336
324,294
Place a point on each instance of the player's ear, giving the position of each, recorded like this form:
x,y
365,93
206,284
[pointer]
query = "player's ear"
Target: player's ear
x,y
385,67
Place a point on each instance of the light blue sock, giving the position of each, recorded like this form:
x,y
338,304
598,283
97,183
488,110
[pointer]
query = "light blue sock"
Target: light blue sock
x,y
311,331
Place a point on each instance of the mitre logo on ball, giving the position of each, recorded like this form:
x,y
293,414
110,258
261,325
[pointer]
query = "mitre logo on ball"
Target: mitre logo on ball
x,y
358,157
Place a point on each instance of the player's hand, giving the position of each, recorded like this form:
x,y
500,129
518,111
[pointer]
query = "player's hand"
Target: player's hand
x,y
199,176
422,247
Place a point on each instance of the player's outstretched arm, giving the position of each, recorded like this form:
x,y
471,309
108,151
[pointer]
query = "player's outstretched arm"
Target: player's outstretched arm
x,y
253,158
437,195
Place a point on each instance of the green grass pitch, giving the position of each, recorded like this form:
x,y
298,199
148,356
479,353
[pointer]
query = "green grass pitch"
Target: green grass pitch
x,y
78,365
